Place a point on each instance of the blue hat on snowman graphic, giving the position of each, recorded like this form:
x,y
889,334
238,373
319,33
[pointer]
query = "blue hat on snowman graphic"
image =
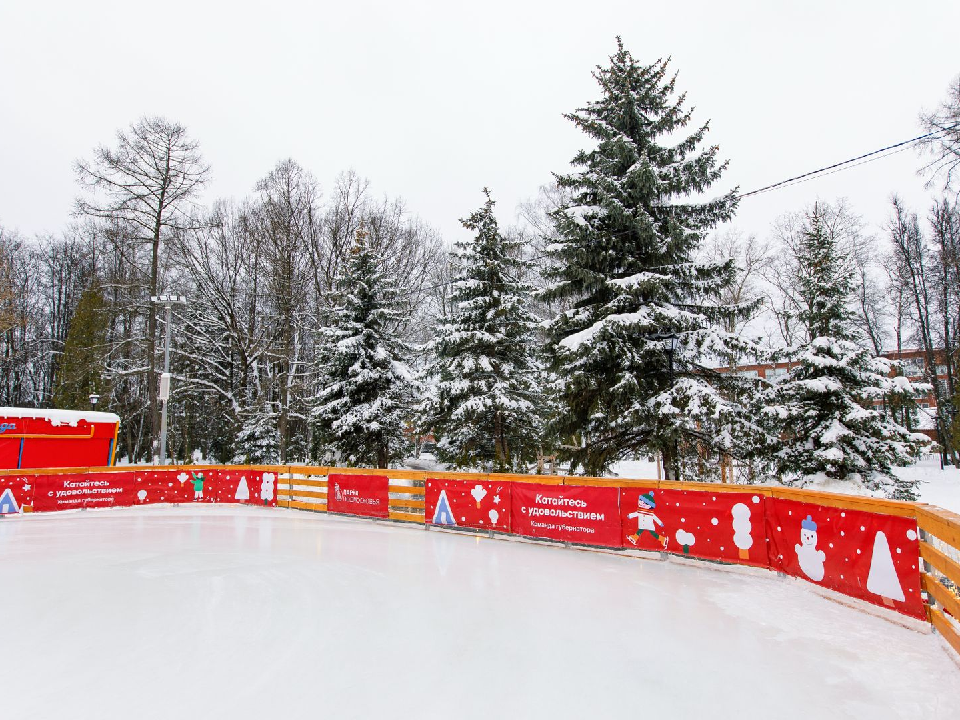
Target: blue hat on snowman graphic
x,y
809,524
646,500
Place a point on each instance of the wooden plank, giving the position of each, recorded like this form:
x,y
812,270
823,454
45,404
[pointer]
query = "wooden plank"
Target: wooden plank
x,y
943,563
307,470
518,478
406,517
391,473
316,507
944,627
406,490
421,504
300,493
838,500
942,523
305,483
607,482
941,594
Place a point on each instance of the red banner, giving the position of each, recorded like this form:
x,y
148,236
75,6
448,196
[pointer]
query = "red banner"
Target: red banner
x,y
16,494
468,503
588,515
865,555
72,491
704,524
359,495
142,486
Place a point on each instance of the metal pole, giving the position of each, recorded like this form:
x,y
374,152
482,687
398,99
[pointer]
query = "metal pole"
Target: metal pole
x,y
163,410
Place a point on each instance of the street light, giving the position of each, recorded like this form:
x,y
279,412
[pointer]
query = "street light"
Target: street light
x,y
670,343
94,399
168,301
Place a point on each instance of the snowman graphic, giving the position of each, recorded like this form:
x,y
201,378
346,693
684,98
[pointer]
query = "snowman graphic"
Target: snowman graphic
x,y
811,559
267,487
646,520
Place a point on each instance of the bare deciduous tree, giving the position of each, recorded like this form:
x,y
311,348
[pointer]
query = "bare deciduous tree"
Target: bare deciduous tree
x,y
146,181
943,148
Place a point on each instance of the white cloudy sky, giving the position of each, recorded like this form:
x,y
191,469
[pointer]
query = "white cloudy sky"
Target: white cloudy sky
x,y
433,100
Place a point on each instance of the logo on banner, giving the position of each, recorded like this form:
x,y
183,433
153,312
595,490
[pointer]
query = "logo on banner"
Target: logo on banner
x,y
443,514
7,426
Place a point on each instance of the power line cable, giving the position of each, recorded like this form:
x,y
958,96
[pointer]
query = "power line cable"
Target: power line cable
x,y
839,165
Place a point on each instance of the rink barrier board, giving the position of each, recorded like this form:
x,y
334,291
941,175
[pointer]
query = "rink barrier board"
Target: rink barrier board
x,y
940,553
939,527
291,495
946,628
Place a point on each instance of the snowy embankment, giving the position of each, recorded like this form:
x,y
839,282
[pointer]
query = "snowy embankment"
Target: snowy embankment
x,y
936,486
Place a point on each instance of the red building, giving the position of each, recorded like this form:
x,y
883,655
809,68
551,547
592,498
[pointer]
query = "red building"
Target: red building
x,y
913,362
31,438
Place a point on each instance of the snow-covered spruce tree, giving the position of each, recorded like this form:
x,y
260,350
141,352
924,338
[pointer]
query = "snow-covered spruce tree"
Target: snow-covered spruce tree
x,y
625,264
258,439
486,405
365,390
822,415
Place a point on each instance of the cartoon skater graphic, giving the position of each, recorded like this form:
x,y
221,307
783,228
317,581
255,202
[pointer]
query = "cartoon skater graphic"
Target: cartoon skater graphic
x,y
646,520
197,486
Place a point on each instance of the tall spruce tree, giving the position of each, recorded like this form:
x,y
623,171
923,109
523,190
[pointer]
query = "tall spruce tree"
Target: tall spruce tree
x,y
81,368
631,353
823,416
486,407
366,394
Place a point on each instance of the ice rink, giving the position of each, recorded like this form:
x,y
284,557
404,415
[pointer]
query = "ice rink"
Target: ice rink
x,y
239,612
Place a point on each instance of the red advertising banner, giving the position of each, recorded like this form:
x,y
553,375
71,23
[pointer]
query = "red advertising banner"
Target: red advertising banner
x,y
703,524
359,495
144,487
468,503
16,494
588,515
74,490
865,555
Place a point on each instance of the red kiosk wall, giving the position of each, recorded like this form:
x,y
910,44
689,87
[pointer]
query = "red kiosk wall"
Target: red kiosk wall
x,y
865,555
713,525
579,514
359,495
468,503
38,443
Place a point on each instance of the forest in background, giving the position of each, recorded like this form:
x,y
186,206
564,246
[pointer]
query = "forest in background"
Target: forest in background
x,y
267,275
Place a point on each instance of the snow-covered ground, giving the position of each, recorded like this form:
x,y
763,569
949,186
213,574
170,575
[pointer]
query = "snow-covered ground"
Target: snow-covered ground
x,y
238,612
937,487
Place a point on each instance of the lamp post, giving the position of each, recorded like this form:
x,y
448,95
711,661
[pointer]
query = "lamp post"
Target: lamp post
x,y
168,301
670,342
94,399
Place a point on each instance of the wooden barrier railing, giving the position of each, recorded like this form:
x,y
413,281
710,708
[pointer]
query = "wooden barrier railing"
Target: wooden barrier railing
x,y
940,553
305,488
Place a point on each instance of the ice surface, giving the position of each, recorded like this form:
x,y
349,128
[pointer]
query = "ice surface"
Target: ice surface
x,y
239,612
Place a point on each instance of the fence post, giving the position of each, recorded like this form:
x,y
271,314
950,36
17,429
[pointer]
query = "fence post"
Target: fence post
x,y
927,569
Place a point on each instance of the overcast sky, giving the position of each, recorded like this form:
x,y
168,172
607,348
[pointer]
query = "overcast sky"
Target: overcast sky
x,y
433,100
